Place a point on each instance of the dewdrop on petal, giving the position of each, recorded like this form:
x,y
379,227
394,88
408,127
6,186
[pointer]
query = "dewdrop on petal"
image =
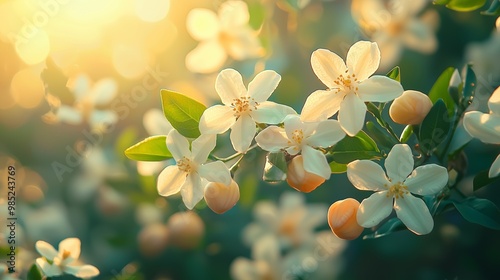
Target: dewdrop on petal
x,y
410,108
298,178
153,239
186,229
342,219
220,197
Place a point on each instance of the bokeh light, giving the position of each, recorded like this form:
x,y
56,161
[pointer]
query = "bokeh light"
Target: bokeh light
x,y
27,89
152,10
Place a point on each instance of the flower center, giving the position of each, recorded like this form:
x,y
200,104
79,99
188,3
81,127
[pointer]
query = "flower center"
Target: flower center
x,y
66,254
185,165
398,190
298,136
243,105
346,83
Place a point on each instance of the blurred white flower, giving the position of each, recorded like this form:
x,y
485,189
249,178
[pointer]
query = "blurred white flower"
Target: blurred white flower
x,y
227,33
88,102
396,24
304,137
63,261
265,263
349,86
397,189
5,275
486,127
243,108
187,175
293,222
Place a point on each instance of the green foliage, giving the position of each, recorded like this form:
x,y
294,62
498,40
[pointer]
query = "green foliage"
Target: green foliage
x,y
382,137
150,149
34,273
394,74
275,168
125,140
461,5
482,180
387,228
360,146
469,86
55,81
479,211
338,168
182,112
434,128
406,134
494,9
440,90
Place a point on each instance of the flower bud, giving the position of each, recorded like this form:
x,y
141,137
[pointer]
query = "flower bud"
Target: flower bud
x,y
220,197
298,178
186,229
410,108
342,219
153,239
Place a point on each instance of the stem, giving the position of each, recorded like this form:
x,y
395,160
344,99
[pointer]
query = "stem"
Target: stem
x,y
377,113
226,159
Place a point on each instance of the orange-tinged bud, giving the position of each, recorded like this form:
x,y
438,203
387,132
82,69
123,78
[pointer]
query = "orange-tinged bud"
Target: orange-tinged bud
x,y
298,178
220,197
186,229
342,219
153,239
410,108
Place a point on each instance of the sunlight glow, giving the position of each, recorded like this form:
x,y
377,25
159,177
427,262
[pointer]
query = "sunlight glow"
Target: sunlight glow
x,y
152,10
27,89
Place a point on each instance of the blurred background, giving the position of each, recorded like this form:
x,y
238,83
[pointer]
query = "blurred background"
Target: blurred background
x,y
103,64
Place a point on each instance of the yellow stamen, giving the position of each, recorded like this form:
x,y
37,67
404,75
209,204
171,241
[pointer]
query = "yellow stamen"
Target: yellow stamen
x,y
185,165
243,105
398,190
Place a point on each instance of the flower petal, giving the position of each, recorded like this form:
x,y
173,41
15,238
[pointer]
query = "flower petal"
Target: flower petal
x,y
80,86
315,162
215,171
192,190
104,91
69,115
48,269
352,114
209,56
170,180
46,250
263,85
419,36
485,127
229,85
155,123
71,245
427,179
233,14
84,271
202,146
244,44
379,89
178,145
242,133
293,123
494,102
100,118
495,168
363,59
366,175
327,133
267,249
202,24
414,214
272,139
320,105
374,209
328,66
399,163
271,113
217,119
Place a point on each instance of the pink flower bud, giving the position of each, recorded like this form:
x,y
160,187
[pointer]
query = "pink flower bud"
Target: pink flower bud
x,y
153,239
220,197
186,229
298,178
410,108
342,219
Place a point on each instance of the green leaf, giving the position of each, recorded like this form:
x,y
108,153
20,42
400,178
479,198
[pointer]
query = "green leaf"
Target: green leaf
x,y
406,134
440,90
387,228
257,13
380,136
434,128
126,139
455,87
465,5
440,2
275,168
493,10
394,74
479,211
182,112
338,168
34,273
482,180
150,149
469,86
360,146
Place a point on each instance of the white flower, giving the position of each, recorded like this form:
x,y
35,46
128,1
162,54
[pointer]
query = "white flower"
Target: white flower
x,y
396,189
349,86
486,127
87,98
187,175
243,108
227,33
298,136
293,222
5,275
395,25
266,263
55,263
